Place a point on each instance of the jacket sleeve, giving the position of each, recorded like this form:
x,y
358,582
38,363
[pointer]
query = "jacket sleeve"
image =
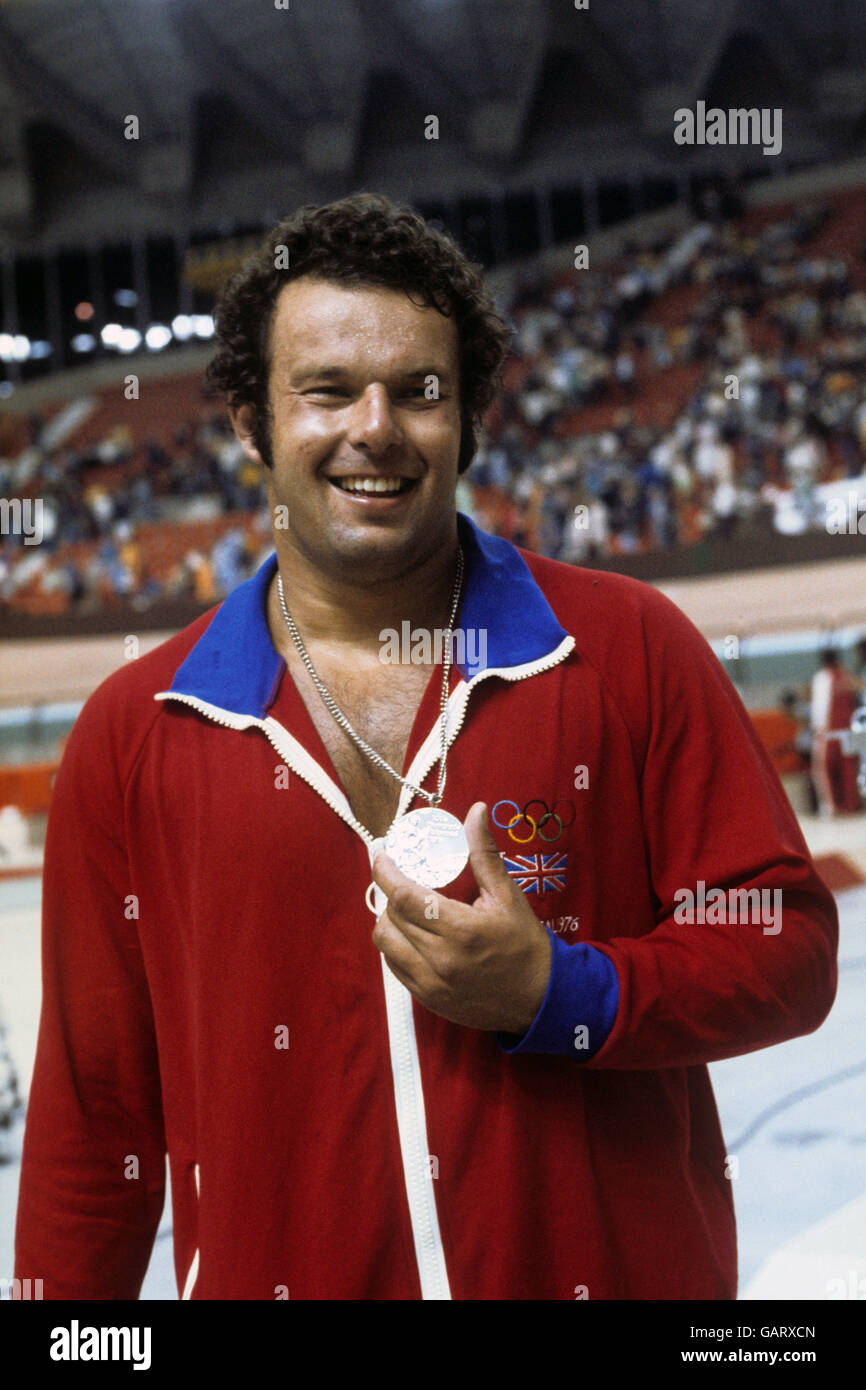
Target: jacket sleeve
x,y
736,977
582,984
93,1167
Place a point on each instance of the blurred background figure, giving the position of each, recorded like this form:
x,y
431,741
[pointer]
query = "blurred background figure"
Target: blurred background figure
x,y
835,697
795,743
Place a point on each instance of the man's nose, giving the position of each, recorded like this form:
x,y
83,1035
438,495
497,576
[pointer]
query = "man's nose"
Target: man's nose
x,y
373,424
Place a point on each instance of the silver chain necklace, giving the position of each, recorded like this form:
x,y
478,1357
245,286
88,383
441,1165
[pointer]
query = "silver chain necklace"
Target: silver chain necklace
x,y
434,798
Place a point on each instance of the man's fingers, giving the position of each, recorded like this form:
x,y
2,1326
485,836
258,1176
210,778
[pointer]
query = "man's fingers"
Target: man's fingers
x,y
485,860
410,905
406,899
401,954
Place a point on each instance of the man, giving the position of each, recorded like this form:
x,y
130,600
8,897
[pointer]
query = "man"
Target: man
x,y
835,698
498,1087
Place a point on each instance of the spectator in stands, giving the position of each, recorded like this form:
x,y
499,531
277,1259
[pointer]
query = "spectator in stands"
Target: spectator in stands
x,y
203,576
624,371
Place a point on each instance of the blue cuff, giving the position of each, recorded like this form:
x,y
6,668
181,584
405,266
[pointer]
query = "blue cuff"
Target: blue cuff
x,y
579,1007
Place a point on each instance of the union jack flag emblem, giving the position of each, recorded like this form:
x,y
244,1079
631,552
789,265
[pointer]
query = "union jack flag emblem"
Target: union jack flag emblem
x,y
537,873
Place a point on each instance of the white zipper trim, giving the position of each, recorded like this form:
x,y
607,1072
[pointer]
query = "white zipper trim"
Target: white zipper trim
x,y
429,751
192,1272
290,750
403,1043
191,1278
412,1127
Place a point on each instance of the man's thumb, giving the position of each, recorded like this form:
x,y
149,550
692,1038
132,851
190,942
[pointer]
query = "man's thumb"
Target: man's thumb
x,y
485,860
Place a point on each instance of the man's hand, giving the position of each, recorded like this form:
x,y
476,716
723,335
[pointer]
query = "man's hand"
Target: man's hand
x,y
484,965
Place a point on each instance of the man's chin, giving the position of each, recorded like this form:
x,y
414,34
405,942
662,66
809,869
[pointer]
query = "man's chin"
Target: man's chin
x,y
373,551
376,545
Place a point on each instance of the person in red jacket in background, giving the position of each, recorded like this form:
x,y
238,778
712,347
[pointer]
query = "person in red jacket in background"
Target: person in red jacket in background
x,y
836,694
496,1085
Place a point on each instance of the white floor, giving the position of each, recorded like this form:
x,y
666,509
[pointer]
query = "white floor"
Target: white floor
x,y
794,1118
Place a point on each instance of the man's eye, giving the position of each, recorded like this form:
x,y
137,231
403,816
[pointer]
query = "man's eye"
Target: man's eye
x,y
326,391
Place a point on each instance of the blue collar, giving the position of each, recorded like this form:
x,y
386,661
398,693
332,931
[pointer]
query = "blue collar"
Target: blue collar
x,y
235,666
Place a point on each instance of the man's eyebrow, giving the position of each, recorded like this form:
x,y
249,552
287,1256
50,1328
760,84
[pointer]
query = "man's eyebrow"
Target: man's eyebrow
x,y
334,373
411,373
317,374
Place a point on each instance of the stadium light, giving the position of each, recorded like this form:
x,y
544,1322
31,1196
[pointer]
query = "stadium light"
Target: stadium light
x,y
203,325
129,339
181,327
110,334
40,349
14,347
83,342
157,337
125,299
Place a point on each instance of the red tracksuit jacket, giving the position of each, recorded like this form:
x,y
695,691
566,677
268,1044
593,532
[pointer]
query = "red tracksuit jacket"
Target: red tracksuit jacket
x,y
211,989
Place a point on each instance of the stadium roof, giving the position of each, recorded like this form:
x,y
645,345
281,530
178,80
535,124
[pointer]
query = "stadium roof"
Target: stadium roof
x,y
245,107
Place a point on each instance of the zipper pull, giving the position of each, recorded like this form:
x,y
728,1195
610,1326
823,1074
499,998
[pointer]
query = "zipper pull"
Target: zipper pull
x,y
379,901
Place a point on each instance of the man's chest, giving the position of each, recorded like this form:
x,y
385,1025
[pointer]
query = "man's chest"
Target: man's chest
x,y
242,850
381,707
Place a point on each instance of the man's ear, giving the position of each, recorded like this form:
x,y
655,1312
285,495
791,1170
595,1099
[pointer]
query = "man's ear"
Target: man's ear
x,y
243,420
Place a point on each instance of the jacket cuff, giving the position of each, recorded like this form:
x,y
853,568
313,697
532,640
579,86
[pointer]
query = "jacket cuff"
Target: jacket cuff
x,y
579,1006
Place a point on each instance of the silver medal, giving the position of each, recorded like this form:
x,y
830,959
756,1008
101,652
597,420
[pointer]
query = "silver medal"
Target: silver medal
x,y
429,846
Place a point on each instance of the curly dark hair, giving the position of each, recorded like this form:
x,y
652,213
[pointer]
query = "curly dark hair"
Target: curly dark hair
x,y
366,241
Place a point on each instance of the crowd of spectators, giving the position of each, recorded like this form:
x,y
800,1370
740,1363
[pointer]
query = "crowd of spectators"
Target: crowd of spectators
x,y
772,407
105,494
777,338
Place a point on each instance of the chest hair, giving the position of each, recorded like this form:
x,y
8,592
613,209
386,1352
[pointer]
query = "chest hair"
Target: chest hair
x,y
381,705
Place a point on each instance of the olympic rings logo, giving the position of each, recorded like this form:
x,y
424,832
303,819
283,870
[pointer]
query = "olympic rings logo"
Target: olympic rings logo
x,y
536,826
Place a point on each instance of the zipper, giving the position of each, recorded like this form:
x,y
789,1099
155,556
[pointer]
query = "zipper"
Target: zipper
x,y
272,730
321,782
430,747
192,1272
412,1129
403,1042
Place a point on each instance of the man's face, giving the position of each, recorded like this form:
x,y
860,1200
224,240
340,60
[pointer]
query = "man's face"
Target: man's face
x,y
366,425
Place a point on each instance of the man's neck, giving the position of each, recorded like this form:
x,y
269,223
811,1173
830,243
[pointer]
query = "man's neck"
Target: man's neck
x,y
337,612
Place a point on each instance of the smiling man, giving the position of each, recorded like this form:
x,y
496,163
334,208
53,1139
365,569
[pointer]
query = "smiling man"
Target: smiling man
x,y
363,445
387,959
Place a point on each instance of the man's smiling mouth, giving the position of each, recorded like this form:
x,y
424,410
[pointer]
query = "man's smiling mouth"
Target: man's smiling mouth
x,y
361,484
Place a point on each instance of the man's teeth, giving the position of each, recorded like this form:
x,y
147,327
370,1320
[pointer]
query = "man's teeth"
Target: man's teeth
x,y
370,484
